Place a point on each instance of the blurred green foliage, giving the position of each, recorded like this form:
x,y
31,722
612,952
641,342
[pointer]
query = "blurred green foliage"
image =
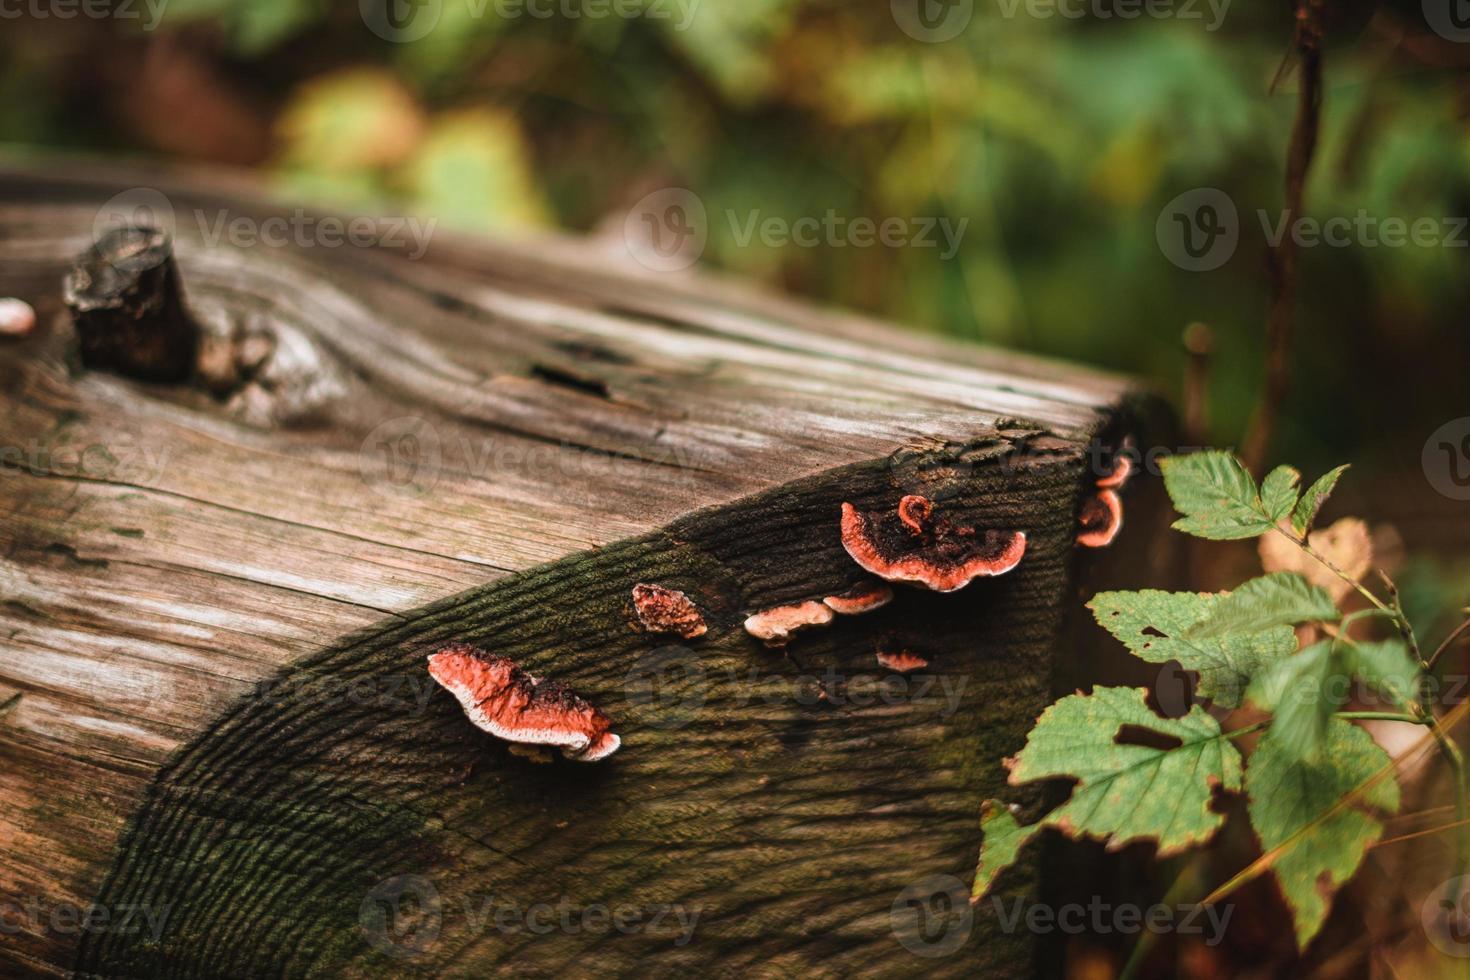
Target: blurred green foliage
x,y
1059,139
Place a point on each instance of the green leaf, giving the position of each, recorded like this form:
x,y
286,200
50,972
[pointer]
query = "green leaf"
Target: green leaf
x,y
1278,492
1292,805
1302,692
1385,666
1306,509
1153,625
1216,495
1125,792
1002,842
1278,599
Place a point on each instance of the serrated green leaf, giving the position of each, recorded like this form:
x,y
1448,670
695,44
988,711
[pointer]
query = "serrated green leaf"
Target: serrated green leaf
x,y
1216,495
1385,666
1291,806
1278,599
1152,624
1305,512
1301,693
1002,842
1125,792
1278,492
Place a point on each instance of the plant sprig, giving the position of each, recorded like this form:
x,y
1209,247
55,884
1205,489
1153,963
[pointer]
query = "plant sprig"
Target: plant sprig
x,y
1319,787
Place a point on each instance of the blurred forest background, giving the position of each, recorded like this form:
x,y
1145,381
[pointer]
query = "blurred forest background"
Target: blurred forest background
x,y
1060,140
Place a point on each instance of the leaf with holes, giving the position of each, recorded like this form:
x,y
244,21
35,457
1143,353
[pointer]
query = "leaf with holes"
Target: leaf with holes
x,y
1278,599
1128,787
1318,818
1216,495
1153,625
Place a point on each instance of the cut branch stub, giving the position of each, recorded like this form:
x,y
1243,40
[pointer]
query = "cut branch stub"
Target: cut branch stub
x,y
665,610
502,699
913,545
127,304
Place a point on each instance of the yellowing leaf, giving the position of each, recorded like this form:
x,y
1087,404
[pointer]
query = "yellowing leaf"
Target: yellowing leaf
x,y
1346,544
350,120
474,171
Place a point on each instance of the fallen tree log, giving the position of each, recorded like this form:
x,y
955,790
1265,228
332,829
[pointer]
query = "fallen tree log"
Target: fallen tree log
x,y
223,754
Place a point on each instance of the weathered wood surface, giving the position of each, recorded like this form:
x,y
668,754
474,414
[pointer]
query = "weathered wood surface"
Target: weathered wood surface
x,y
216,606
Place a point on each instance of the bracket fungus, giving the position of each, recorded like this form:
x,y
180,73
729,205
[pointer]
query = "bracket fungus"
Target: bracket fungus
x,y
913,545
502,699
901,661
1101,519
861,598
665,610
775,626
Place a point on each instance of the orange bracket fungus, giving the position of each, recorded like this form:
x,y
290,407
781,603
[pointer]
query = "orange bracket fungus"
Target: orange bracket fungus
x,y
1101,519
913,545
664,610
901,661
504,700
861,598
1122,470
775,626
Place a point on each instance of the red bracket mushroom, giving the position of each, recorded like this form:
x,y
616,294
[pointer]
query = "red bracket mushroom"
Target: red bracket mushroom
x,y
775,626
861,598
901,661
913,545
502,699
1101,519
665,610
1102,513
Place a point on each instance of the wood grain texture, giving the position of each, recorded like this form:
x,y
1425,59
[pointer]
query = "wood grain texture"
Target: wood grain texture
x,y
494,443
